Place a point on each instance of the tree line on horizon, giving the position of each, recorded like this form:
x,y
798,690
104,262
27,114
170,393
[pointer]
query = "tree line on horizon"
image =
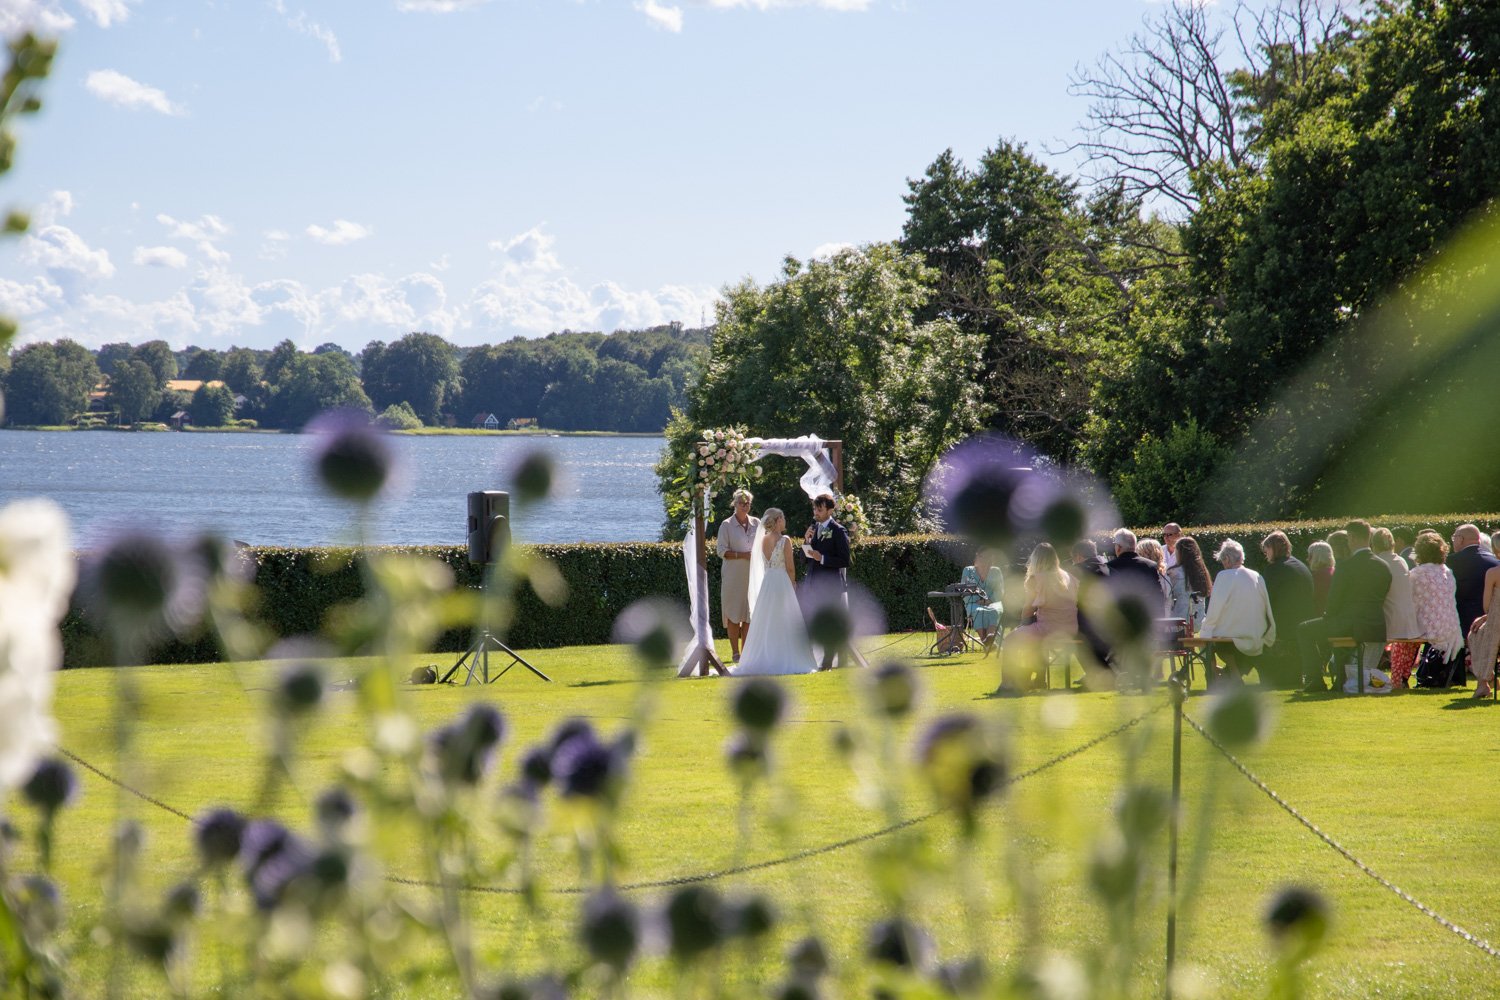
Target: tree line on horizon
x,y
627,381
1254,186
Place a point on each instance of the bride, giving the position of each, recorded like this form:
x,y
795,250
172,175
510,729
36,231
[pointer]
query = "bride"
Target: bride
x,y
777,643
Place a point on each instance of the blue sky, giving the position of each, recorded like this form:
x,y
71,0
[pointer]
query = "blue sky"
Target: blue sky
x,y
222,172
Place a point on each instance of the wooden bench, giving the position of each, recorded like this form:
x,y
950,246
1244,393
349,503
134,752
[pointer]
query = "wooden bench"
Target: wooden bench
x,y
1359,646
1200,648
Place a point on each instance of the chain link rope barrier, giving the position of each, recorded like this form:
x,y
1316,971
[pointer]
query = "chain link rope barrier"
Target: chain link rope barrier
x,y
707,876
1442,921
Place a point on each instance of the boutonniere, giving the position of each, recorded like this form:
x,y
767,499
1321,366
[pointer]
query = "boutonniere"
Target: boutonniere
x,y
825,532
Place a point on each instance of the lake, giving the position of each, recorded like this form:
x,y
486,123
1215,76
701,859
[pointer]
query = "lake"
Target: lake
x,y
260,488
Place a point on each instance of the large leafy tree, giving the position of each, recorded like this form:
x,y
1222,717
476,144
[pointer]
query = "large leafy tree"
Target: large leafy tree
x,y
312,383
836,348
158,356
212,406
420,369
134,391
50,383
241,370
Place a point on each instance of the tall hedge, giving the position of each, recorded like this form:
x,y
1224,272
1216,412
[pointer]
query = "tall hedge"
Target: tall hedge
x,y
299,586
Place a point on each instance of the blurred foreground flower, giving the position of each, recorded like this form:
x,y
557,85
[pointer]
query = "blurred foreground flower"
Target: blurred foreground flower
x,y
36,579
353,457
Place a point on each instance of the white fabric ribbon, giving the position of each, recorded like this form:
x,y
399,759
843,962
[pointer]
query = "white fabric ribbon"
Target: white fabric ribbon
x,y
820,475
697,576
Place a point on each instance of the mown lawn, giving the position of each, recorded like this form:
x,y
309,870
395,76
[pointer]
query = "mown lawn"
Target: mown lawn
x,y
1406,782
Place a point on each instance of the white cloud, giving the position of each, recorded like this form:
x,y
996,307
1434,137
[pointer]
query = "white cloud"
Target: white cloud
x,y
441,264
532,250
839,5
302,24
106,12
17,16
437,6
160,257
205,234
830,249
341,233
116,88
68,261
663,16
58,205
29,298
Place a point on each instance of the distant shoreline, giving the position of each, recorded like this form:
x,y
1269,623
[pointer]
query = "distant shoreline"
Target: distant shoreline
x,y
421,432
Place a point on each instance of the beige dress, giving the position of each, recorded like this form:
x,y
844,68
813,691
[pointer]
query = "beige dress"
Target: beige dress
x,y
734,584
1484,641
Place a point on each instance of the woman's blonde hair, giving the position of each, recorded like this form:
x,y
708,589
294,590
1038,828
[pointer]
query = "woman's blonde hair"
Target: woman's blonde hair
x,y
1043,564
771,516
1320,554
1151,549
1381,540
743,494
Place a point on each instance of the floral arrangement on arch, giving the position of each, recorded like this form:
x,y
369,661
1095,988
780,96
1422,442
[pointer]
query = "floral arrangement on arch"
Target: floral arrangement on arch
x,y
723,457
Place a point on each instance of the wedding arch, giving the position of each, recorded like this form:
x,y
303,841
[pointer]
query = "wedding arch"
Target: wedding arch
x,y
721,455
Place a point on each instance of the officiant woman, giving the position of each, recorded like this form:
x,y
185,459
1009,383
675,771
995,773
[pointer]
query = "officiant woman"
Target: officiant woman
x,y
736,535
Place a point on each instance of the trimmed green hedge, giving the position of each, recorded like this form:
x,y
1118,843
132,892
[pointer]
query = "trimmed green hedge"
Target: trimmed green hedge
x,y
299,586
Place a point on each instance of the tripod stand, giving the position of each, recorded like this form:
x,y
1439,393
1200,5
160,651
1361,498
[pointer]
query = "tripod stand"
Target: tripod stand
x,y
478,658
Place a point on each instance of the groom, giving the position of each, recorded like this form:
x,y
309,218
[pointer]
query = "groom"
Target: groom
x,y
829,563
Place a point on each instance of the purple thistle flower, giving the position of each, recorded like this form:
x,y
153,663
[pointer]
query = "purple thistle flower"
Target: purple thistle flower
x,y
655,626
51,786
901,943
219,833
611,929
586,768
536,766
273,858
465,748
335,808
141,584
352,456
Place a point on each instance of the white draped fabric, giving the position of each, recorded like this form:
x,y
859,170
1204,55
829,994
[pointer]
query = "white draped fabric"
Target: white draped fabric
x,y
819,478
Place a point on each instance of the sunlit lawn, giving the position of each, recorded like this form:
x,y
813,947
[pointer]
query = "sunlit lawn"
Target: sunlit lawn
x,y
1407,782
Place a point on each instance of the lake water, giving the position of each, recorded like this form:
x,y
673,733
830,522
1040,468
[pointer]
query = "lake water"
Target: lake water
x,y
260,489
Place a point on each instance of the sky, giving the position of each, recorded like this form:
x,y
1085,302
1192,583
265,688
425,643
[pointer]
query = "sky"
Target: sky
x,y
239,172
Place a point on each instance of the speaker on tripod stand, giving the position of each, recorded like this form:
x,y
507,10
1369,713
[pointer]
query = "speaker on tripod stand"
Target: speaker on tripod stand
x,y
489,538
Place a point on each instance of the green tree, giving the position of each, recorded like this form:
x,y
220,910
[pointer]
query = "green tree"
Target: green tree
x,y
399,417
312,384
50,383
275,366
204,365
420,369
835,348
159,357
505,379
134,391
212,406
112,354
241,370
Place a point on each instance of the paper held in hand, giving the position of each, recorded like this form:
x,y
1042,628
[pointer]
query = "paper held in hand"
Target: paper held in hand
x,y
808,550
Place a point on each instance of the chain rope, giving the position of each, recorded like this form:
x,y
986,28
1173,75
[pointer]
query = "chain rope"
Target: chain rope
x,y
708,876
1291,810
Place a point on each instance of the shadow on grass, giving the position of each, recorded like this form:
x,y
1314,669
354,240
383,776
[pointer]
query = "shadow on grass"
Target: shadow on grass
x,y
595,684
1460,704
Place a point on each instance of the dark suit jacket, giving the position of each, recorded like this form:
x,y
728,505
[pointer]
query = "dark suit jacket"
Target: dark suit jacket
x,y
1356,598
1290,586
1092,566
1131,566
835,552
1469,566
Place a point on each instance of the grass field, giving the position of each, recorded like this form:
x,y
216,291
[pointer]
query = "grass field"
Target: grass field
x,y
1404,781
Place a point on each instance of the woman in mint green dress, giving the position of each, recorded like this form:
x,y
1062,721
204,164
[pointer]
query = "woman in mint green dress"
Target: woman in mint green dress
x,y
984,612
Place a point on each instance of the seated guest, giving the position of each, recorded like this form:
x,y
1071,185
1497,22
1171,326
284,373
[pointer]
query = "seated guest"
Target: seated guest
x,y
1356,607
1290,584
984,613
1486,542
1339,542
1087,567
1469,563
1052,600
1320,564
1150,548
1086,560
1484,636
1170,533
1403,538
1128,564
1196,585
1240,610
1432,590
1400,612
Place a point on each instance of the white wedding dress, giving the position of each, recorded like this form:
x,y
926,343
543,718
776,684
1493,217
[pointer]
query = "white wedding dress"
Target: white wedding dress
x,y
777,643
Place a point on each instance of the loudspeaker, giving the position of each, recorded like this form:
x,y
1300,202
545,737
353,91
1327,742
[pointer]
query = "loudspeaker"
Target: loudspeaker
x,y
489,526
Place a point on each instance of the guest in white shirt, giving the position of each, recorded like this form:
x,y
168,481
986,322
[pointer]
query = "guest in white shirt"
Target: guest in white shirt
x,y
1240,609
736,537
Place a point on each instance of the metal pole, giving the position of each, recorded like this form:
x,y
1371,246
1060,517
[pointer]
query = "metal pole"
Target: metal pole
x,y
1178,693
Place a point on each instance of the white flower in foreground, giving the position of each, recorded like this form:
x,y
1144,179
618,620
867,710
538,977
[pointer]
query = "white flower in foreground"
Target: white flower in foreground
x,y
37,572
